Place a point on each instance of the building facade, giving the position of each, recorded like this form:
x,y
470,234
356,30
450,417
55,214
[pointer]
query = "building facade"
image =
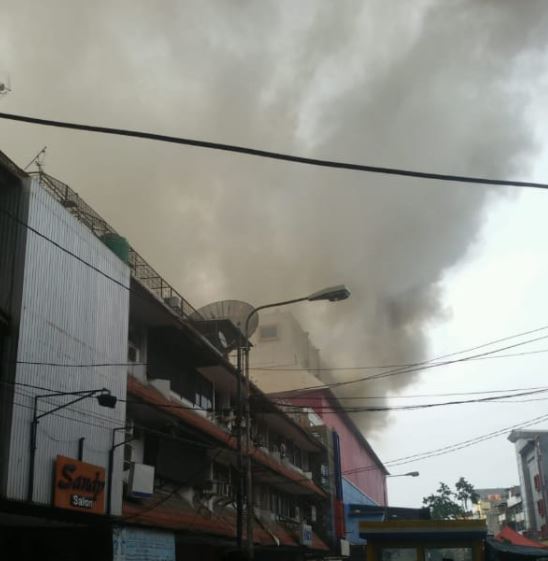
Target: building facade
x,y
489,505
511,510
532,458
119,408
284,361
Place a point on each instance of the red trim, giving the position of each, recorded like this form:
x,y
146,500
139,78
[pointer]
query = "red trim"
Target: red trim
x,y
340,529
176,519
154,397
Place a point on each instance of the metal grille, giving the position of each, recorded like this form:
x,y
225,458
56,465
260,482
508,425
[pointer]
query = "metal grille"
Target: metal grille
x,y
140,269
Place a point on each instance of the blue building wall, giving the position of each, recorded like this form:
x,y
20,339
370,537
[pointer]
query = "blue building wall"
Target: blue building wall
x,y
353,495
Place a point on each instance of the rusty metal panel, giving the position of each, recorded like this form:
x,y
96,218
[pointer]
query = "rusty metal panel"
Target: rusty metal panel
x,y
71,315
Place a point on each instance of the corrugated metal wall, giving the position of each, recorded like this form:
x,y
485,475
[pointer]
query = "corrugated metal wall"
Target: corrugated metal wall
x,y
12,206
14,189
71,315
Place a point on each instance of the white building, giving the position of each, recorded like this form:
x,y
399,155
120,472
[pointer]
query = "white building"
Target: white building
x,y
532,456
57,314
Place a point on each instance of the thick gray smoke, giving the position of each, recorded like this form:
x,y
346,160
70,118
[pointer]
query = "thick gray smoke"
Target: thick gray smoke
x,y
434,85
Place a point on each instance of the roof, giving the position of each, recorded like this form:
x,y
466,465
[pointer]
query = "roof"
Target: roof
x,y
374,512
11,167
423,530
511,537
516,550
516,435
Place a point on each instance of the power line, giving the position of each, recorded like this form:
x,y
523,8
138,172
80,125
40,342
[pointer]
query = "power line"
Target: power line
x,y
379,409
103,418
430,362
414,367
382,366
146,296
450,448
292,408
64,249
411,396
426,365
273,155
276,368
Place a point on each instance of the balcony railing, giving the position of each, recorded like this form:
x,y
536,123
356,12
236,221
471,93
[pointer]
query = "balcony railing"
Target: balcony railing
x,y
140,269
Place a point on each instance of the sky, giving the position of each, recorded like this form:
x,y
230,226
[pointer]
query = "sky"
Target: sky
x,y
447,86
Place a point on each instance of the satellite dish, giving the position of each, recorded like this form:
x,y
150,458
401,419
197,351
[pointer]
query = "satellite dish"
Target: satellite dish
x,y
234,310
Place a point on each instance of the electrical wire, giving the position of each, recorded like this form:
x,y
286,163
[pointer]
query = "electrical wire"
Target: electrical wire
x,y
269,368
383,366
145,296
286,408
273,155
391,463
452,447
414,407
412,396
426,365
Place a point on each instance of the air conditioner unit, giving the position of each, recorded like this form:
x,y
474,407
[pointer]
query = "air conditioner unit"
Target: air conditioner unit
x,y
173,302
141,481
211,487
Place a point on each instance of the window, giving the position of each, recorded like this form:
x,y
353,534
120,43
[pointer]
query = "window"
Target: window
x,y
203,393
268,332
398,554
448,554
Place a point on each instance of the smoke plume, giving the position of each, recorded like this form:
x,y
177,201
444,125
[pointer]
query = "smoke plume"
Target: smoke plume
x,y
429,85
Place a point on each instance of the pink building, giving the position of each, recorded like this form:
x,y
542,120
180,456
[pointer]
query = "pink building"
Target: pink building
x,y
360,466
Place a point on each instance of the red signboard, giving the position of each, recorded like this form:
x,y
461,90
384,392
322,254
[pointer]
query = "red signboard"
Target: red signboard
x,y
79,486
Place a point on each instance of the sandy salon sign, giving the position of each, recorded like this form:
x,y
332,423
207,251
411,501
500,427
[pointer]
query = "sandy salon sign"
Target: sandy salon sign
x,y
79,486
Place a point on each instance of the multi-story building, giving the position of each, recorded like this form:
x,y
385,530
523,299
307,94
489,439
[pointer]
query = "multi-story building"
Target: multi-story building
x,y
511,510
532,457
284,361
118,408
489,505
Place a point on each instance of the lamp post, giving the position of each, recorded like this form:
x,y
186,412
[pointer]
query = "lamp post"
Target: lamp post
x,y
331,294
408,474
104,398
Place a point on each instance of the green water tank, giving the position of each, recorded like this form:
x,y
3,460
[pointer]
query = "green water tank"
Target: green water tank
x,y
117,244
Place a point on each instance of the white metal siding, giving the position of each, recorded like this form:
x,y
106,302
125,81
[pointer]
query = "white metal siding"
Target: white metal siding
x,y
70,314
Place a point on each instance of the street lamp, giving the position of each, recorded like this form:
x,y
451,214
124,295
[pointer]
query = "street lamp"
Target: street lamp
x,y
331,294
104,398
409,474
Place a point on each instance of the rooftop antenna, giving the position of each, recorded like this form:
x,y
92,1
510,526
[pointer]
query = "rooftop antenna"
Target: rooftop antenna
x,y
38,160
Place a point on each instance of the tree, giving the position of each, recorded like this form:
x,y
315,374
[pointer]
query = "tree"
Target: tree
x,y
442,504
466,493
